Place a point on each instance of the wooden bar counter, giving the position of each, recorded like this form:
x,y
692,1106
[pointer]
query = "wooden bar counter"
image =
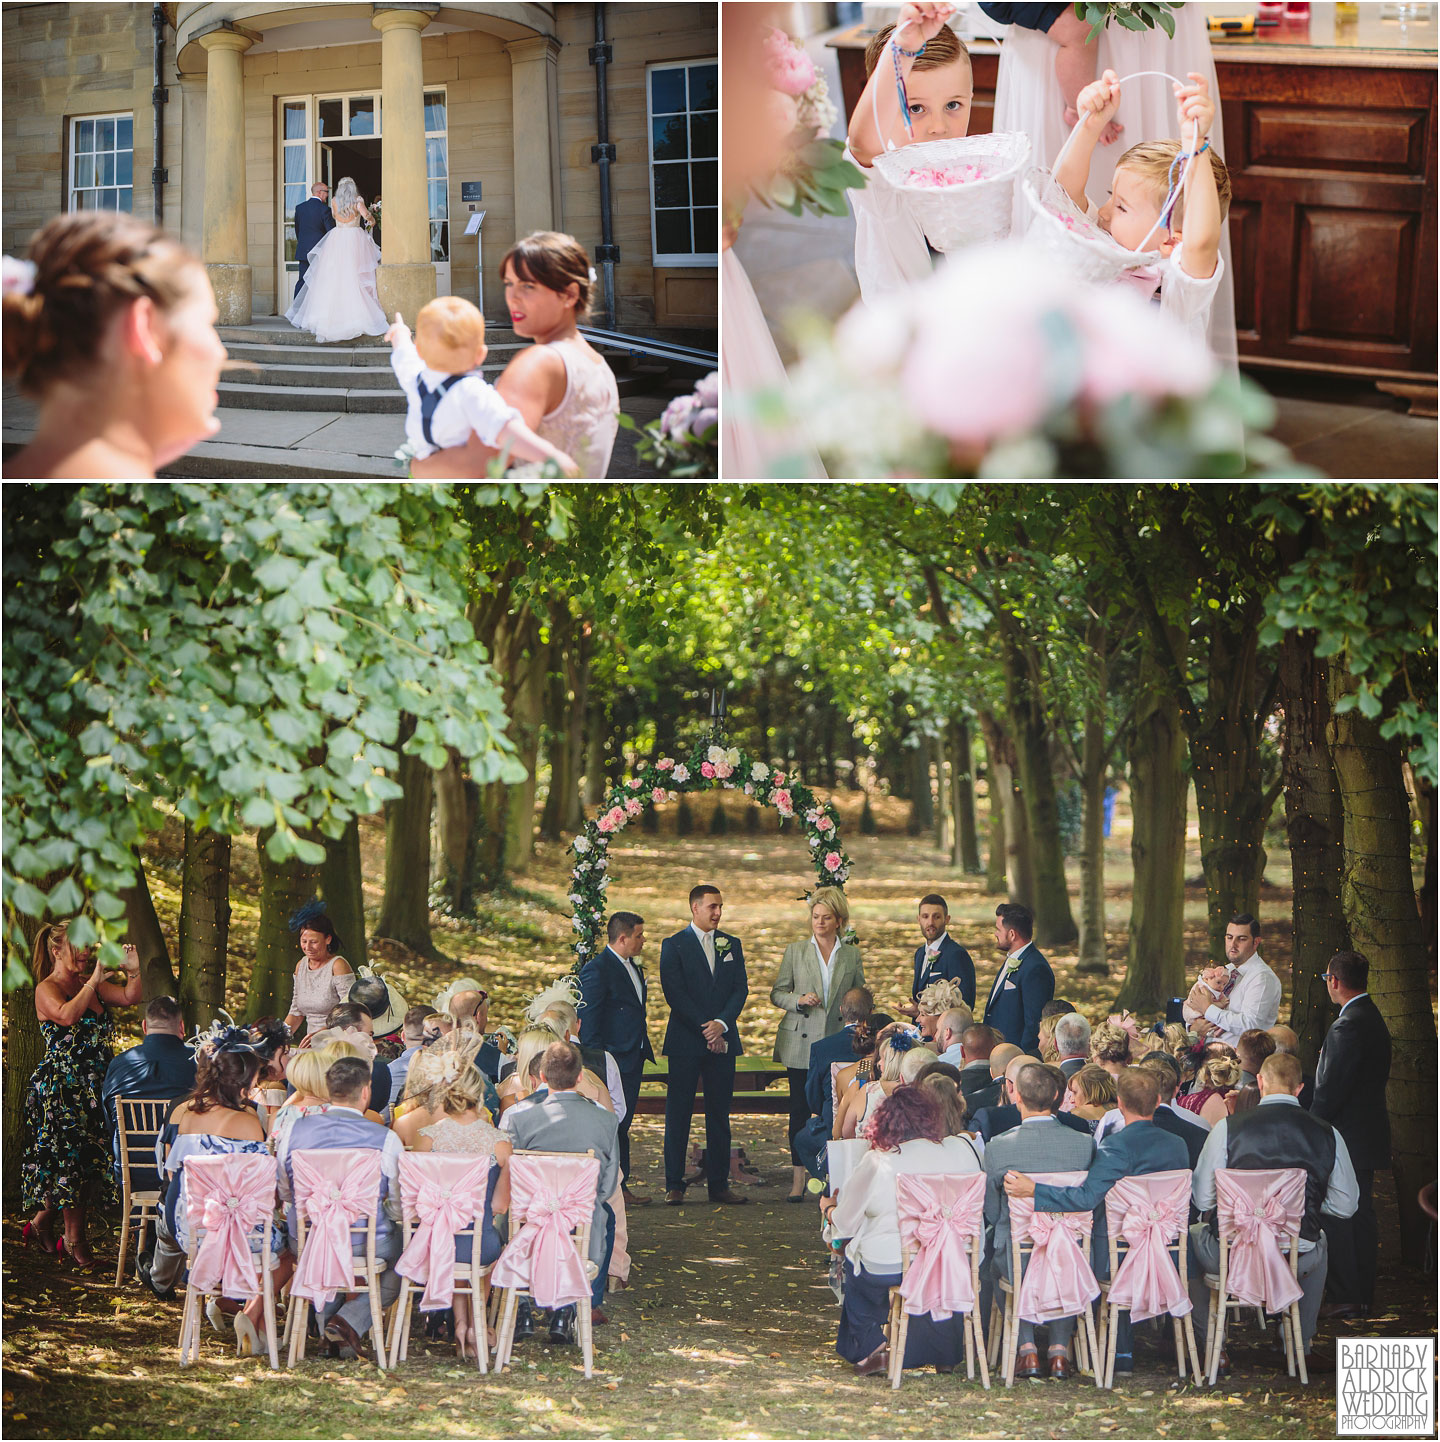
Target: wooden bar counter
x,y
1330,141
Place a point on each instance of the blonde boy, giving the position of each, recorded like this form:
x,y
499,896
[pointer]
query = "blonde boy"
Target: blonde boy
x,y
448,397
1189,243
890,248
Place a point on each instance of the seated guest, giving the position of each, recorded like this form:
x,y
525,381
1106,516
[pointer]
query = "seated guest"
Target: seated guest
x,y
1252,1048
863,1069
344,1124
565,1121
471,1008
1168,1117
1287,1042
412,1033
1056,1006
161,1068
906,1138
932,1003
1000,1057
954,1131
1039,1144
439,1024
1277,1133
1176,1039
306,1076
271,1040
353,1022
556,1007
915,1061
1242,1100
949,1031
454,1090
977,1042
1045,1040
1217,1077
1110,1047
991,1122
1091,1093
858,1105
387,1012
1072,1042
809,1142
1136,1149
524,1077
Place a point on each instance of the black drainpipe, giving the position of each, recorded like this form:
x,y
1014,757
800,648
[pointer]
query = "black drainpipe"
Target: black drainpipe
x,y
603,155
158,96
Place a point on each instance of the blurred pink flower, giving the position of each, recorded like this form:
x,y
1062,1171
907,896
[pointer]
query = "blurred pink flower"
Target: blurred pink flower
x,y
832,861
658,794
633,807
707,770
664,764
634,783
789,68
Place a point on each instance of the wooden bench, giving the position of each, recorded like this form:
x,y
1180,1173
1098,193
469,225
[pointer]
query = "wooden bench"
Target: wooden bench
x,y
754,1075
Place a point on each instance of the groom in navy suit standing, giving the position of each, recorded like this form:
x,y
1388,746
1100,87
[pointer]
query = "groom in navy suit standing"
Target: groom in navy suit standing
x,y
940,957
1025,983
312,220
702,973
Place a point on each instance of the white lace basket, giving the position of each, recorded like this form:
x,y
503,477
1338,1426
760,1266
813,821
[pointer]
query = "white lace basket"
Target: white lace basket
x,y
1058,229
974,212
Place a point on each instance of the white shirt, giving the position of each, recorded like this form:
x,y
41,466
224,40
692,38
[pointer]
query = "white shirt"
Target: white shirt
x,y
1342,1196
630,971
954,1054
707,945
1254,1001
827,965
471,404
1354,998
1112,1121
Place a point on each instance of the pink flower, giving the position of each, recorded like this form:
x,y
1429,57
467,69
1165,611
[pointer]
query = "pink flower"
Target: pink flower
x,y
664,764
633,807
832,861
777,779
658,794
605,823
634,783
707,770
616,815
779,112
781,801
723,769
749,789
825,824
789,68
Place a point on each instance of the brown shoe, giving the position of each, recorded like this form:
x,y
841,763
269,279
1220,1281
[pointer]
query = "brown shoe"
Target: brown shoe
x,y
675,1198
338,1330
1027,1362
877,1361
1060,1368
631,1200
598,1317
1329,1310
729,1197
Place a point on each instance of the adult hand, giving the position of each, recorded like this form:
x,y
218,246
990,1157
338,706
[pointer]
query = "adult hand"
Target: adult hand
x,y
809,999
828,1204
1203,1028
712,1031
1200,997
1017,1184
130,958
719,1047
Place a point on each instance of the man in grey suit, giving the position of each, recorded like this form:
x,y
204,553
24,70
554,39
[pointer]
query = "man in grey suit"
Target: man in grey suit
x,y
565,1121
1038,1144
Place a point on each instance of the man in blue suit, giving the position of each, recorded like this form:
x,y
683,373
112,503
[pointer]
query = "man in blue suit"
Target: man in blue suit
x,y
702,973
1138,1148
1025,982
313,219
161,1068
940,957
614,995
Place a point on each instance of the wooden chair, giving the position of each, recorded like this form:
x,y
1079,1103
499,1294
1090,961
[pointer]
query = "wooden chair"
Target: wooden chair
x,y
138,1124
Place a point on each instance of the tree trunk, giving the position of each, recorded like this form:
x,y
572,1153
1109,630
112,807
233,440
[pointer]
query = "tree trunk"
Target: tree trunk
x,y
557,753
457,822
1380,907
1093,759
525,717
342,885
1018,868
1315,827
967,847
144,932
922,803
596,727
940,816
24,1049
1425,795
284,889
405,912
577,679
995,840
1050,900
1155,967
204,926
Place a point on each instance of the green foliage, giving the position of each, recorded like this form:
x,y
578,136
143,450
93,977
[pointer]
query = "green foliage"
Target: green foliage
x,y
239,653
814,177
1141,15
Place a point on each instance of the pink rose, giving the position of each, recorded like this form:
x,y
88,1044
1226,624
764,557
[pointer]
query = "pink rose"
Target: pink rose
x,y
658,794
749,789
605,823
634,783
633,807
707,770
664,764
825,824
781,801
789,68
777,779
616,815
723,769
832,861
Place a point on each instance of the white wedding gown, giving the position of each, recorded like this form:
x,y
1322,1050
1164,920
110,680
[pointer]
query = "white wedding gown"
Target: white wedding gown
x,y
338,300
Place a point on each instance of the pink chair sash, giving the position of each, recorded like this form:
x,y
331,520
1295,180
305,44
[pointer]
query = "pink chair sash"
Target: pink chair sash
x,y
445,1195
1254,1210
227,1199
1148,1213
1059,1280
549,1198
937,1214
333,1190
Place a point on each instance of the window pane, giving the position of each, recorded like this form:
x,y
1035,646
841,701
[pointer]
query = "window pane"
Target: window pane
x,y
104,135
704,182
126,197
331,114
434,110
362,116
294,164
294,120
84,170
84,136
290,240
439,240
704,84
439,203
124,131
84,200
109,200
703,134
667,91
105,169
672,232
124,167
436,157
668,138
294,195
707,232
671,186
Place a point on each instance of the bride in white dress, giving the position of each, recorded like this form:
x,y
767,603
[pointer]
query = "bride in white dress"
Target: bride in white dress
x,y
338,300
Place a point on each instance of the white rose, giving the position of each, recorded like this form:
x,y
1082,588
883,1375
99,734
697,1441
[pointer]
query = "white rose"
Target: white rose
x,y
604,884
576,900
582,845
759,771
733,756
715,753
681,773
577,923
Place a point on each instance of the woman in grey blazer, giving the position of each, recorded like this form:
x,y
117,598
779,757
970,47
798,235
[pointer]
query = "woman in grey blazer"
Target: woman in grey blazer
x,y
814,975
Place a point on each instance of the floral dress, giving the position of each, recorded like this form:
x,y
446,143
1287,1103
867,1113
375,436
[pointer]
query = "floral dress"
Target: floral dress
x,y
67,1161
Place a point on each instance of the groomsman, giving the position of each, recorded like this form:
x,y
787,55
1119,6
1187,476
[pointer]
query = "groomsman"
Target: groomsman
x,y
939,957
612,1017
702,973
1025,982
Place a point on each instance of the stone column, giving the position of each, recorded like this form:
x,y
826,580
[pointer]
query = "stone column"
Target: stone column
x,y
535,108
224,247
192,161
406,276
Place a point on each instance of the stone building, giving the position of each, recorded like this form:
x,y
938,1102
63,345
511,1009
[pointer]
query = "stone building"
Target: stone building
x,y
444,112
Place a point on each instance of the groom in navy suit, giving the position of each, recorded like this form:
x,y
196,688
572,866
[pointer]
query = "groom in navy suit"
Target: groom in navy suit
x,y
313,219
1025,983
940,957
612,1016
702,973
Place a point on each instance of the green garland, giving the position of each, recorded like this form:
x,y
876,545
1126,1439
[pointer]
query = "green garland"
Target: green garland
x,y
713,763
1138,16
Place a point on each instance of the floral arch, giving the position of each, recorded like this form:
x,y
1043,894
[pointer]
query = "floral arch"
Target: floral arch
x,y
712,764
